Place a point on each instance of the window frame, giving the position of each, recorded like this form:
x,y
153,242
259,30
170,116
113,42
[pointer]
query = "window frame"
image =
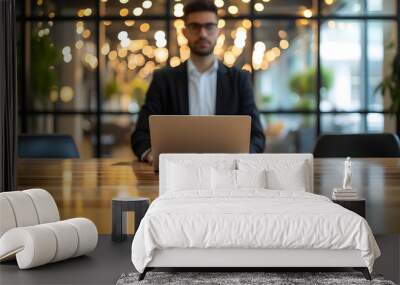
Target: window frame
x,y
24,111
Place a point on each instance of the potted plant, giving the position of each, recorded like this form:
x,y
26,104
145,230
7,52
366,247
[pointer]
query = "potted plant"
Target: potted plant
x,y
44,58
304,85
111,89
139,88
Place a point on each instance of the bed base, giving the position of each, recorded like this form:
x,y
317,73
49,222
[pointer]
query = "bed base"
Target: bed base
x,y
363,270
242,259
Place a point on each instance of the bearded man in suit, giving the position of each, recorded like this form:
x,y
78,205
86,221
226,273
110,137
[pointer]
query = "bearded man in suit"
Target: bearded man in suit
x,y
202,85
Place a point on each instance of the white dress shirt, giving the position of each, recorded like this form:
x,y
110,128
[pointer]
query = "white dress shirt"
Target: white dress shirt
x,y
202,89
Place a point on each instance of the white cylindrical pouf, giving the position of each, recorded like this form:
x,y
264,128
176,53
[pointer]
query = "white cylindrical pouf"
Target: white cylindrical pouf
x,y
23,208
45,205
34,246
7,218
67,239
87,234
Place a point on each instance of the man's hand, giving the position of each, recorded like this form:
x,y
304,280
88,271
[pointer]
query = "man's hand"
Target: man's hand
x,y
149,157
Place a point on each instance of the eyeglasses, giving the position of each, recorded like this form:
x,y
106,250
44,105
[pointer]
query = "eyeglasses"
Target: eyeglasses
x,y
196,27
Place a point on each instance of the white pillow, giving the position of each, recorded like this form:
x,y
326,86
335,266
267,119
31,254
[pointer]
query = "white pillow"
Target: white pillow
x,y
227,179
223,179
181,177
295,180
281,174
251,178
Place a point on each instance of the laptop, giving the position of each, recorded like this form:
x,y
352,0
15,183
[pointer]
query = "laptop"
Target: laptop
x,y
199,134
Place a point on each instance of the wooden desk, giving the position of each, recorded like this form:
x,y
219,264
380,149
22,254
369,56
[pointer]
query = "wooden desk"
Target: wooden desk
x,y
86,187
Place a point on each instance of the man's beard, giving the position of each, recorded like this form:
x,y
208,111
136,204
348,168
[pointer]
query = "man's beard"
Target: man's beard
x,y
202,52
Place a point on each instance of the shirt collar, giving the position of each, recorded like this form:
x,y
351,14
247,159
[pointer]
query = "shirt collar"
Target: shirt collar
x,y
192,68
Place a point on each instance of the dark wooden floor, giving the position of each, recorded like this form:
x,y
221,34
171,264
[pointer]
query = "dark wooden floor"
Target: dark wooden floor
x,y
110,259
102,266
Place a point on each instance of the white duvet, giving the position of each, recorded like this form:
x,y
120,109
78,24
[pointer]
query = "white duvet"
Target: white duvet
x,y
250,219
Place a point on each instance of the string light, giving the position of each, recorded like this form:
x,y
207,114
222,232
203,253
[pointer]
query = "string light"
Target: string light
x,y
140,60
178,10
282,34
276,51
105,49
233,10
159,35
66,93
91,60
137,11
258,54
184,52
229,58
219,3
247,67
246,24
122,35
179,24
307,13
145,27
129,23
144,57
221,23
123,12
53,94
122,52
161,55
284,44
174,61
87,12
112,55
148,51
86,33
67,56
125,43
259,7
147,4
66,50
79,44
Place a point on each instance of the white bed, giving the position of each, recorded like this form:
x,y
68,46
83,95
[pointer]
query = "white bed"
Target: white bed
x,y
210,226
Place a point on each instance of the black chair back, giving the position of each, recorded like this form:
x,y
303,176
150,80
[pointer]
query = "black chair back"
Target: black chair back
x,y
357,145
47,146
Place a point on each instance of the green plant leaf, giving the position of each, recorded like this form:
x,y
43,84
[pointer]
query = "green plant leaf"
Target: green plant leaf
x,y
44,58
390,85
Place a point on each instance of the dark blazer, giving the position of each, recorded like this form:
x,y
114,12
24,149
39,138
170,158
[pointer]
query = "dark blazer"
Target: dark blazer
x,y
168,95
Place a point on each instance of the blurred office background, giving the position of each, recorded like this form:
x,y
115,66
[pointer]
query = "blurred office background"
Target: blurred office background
x,y
84,66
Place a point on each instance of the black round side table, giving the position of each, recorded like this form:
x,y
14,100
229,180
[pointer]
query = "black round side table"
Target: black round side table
x,y
120,205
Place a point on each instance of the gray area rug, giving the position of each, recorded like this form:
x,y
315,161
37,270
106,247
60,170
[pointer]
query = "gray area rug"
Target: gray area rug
x,y
228,278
